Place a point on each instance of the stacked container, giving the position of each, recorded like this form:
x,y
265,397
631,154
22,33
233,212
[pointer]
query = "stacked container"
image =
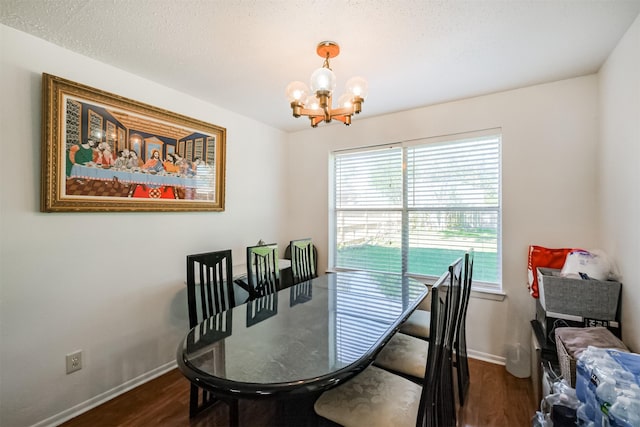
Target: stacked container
x,y
608,387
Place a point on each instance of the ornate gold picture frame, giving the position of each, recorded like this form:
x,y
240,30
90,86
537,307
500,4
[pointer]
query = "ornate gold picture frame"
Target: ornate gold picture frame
x,y
103,152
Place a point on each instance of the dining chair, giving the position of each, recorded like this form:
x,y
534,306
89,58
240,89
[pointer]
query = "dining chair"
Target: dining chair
x,y
303,260
461,361
417,325
263,273
406,355
209,293
420,327
448,389
378,398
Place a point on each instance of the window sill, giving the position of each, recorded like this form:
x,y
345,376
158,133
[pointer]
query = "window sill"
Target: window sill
x,y
489,294
476,292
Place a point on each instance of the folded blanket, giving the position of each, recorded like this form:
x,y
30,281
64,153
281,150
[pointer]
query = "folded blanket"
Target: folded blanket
x,y
576,340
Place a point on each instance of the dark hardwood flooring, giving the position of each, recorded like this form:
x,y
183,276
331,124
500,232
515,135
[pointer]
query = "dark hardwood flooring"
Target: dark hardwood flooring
x,y
496,399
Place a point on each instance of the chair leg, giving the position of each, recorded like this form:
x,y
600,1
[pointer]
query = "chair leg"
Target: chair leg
x,y
447,404
234,413
200,399
193,401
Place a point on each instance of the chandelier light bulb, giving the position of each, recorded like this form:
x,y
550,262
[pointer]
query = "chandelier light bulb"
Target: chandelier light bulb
x,y
345,101
323,79
312,103
358,87
297,91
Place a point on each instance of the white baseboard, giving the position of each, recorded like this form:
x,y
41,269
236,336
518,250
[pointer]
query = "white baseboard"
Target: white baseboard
x,y
104,397
491,358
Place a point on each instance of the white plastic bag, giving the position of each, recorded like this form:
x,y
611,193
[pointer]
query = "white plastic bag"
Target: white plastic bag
x,y
586,265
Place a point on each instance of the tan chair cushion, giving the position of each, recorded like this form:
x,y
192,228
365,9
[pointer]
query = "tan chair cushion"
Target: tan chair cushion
x,y
425,304
373,398
404,354
418,324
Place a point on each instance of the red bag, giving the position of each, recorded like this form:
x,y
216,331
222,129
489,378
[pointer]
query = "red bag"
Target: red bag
x,y
544,257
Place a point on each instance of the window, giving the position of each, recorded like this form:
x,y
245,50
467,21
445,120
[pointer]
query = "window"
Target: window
x,y
415,207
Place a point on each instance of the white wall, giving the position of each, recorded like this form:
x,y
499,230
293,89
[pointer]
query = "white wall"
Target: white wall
x,y
619,169
550,136
111,284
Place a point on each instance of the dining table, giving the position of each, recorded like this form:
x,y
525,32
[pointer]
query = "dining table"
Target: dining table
x,y
301,340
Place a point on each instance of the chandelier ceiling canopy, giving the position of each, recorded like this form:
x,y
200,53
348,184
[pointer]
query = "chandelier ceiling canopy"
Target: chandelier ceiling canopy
x,y
317,103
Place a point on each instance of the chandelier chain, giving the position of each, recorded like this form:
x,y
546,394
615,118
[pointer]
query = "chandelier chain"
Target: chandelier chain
x,y
326,62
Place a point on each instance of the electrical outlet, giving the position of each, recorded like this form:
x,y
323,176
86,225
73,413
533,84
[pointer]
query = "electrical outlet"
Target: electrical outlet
x,y
74,361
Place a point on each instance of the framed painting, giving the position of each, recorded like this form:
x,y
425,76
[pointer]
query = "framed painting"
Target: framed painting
x,y
103,152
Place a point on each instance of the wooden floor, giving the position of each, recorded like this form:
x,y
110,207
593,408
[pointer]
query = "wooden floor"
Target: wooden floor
x,y
496,399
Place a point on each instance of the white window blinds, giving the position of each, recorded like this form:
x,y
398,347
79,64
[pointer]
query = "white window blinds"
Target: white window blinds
x,y
369,210
420,218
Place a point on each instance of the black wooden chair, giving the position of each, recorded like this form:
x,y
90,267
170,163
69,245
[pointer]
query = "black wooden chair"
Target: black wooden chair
x,y
263,273
406,355
448,404
460,344
418,326
209,292
443,404
376,397
303,260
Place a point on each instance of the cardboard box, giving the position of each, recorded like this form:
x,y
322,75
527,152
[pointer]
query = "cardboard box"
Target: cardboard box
x,y
587,299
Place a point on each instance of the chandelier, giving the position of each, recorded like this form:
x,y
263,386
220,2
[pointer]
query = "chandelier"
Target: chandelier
x,y
317,103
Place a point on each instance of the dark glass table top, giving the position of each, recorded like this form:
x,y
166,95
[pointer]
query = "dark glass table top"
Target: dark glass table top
x,y
302,339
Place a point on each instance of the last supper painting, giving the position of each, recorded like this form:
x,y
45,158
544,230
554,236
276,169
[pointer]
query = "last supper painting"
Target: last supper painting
x,y
104,152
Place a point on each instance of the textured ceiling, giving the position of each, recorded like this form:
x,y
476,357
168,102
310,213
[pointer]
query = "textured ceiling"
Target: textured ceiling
x,y
241,55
